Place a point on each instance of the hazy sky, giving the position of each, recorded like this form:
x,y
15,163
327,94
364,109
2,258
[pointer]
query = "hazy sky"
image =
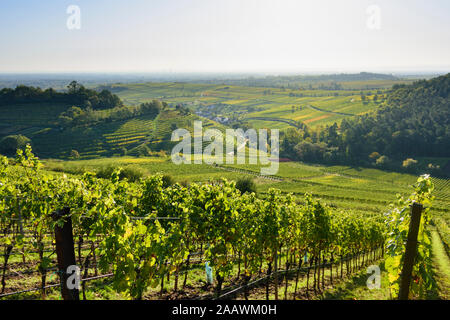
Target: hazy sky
x,y
225,35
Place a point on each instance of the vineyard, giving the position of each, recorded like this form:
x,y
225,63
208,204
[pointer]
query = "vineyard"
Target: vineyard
x,y
314,107
148,241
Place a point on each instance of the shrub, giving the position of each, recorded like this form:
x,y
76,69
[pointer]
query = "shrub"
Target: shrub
x,y
10,144
246,185
141,151
185,183
130,173
167,180
105,172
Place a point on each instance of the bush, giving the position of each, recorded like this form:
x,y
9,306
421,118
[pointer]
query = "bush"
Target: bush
x,y
185,183
140,151
132,174
167,180
105,172
10,144
246,185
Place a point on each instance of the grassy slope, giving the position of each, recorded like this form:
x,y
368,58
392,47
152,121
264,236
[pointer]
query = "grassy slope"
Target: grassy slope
x,y
357,289
441,266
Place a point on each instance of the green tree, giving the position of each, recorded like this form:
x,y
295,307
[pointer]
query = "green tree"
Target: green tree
x,y
74,154
409,163
374,155
382,161
9,144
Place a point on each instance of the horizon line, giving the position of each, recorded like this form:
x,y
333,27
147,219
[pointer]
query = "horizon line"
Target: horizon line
x,y
299,73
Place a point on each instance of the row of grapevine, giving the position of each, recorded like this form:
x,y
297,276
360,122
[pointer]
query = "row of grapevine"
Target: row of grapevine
x,y
149,232
398,224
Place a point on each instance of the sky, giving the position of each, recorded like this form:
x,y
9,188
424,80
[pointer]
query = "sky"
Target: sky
x,y
275,36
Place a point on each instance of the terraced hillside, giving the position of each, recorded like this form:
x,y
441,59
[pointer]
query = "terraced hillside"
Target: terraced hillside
x,y
312,107
217,105
38,122
94,141
262,107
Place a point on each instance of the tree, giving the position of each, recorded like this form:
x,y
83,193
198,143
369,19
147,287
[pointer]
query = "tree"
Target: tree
x,y
74,87
382,161
246,185
143,150
74,154
308,151
409,163
374,155
10,144
76,95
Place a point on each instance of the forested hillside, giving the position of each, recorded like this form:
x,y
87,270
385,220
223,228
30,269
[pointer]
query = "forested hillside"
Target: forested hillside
x,y
76,122
76,95
415,121
412,122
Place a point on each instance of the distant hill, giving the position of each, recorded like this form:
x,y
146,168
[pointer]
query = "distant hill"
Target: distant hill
x,y
327,81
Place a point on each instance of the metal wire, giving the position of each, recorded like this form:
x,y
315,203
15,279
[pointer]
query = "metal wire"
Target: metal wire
x,y
54,285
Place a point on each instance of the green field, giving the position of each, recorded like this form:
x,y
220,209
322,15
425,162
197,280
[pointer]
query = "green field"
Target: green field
x,y
316,107
361,189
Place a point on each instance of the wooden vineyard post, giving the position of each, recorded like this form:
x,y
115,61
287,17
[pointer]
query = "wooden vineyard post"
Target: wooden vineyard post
x,y
65,252
410,253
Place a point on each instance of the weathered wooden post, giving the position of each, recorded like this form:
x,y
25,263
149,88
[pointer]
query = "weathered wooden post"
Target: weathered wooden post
x,y
65,252
411,249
